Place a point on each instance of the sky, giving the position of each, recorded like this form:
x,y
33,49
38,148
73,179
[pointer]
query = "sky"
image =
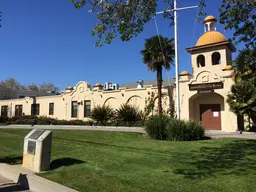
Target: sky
x,y
51,41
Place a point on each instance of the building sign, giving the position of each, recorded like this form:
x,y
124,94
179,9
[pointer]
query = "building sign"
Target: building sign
x,y
205,86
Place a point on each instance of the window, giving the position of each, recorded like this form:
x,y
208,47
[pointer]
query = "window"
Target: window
x,y
216,58
74,109
87,108
51,108
200,61
35,108
4,111
18,110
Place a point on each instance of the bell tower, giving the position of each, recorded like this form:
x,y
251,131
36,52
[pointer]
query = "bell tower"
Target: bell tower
x,y
204,92
212,51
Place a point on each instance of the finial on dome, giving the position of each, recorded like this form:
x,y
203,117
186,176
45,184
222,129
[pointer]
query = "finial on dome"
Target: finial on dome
x,y
209,23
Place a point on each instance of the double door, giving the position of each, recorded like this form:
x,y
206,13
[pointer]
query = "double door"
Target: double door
x,y
210,116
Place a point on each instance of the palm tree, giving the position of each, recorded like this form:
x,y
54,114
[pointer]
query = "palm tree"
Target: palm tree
x,y
245,64
158,53
242,99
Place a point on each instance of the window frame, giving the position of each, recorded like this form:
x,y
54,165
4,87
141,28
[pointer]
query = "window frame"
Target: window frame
x,y
87,108
4,111
18,110
73,113
51,108
35,109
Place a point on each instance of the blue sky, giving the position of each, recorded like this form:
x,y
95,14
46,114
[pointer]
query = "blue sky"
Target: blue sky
x,y
50,41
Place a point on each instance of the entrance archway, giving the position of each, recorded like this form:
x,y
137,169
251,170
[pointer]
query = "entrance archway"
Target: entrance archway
x,y
208,108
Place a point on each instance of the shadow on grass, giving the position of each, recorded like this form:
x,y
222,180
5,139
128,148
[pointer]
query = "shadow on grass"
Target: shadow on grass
x,y
236,158
12,160
55,164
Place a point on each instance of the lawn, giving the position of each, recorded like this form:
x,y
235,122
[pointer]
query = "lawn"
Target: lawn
x,y
112,161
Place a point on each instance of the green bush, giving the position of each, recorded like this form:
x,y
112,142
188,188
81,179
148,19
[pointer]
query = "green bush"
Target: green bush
x,y
102,114
3,119
23,120
162,127
128,114
180,130
156,127
42,120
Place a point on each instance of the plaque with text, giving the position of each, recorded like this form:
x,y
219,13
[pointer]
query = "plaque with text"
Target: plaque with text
x,y
205,86
36,134
31,147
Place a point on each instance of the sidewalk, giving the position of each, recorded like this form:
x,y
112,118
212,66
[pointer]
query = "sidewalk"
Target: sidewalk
x,y
222,134
76,127
7,185
213,134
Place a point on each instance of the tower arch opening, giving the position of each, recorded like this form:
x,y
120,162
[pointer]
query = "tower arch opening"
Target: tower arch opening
x,y
216,58
200,61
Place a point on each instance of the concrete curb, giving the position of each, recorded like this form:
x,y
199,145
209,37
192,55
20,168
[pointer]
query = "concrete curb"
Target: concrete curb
x,y
28,180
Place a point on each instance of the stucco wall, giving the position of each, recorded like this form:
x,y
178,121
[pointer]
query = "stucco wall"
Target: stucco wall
x,y
190,100
82,92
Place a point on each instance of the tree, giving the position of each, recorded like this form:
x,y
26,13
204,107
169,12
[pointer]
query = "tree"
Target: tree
x,y
245,64
240,15
47,87
124,17
13,84
158,53
242,98
245,77
33,87
128,17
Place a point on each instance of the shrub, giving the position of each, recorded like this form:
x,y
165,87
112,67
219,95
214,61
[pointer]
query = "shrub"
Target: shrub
x,y
44,120
23,120
156,127
128,114
180,130
76,122
102,114
3,119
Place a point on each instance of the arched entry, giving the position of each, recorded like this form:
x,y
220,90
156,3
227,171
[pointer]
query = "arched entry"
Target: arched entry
x,y
207,108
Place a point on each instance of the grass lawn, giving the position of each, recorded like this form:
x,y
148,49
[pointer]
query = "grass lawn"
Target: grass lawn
x,y
112,161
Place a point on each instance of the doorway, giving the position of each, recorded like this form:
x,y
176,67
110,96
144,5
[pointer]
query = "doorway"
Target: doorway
x,y
210,116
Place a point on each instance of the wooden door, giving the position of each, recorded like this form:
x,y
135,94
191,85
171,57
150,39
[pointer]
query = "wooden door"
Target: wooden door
x,y
210,116
4,111
18,110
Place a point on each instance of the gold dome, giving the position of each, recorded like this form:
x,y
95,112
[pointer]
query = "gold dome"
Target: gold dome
x,y
184,73
210,37
97,85
210,18
69,88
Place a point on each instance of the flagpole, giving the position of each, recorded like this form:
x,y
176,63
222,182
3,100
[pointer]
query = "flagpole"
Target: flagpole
x,y
175,9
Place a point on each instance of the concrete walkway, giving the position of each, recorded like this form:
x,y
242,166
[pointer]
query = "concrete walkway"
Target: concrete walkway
x,y
76,127
222,134
212,134
7,185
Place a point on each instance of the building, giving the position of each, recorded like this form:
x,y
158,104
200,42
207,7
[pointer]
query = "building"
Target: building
x,y
203,93
77,102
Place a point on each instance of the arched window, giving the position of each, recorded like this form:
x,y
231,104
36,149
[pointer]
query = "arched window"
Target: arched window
x,y
200,61
216,58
